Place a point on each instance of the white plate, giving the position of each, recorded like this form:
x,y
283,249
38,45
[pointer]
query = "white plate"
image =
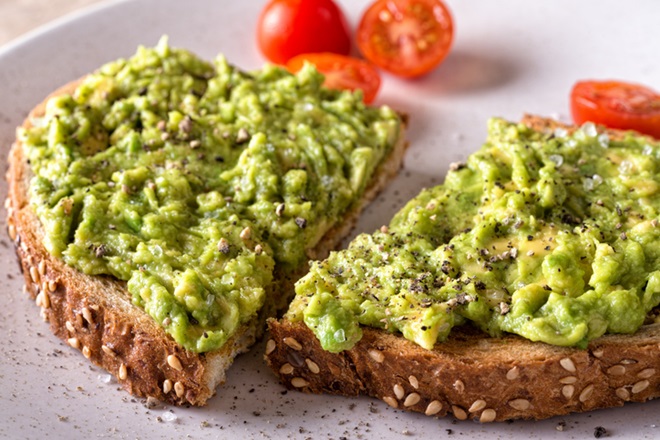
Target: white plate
x,y
510,57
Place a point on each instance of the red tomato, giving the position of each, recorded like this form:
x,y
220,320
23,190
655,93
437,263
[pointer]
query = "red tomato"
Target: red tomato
x,y
406,37
342,72
617,104
287,28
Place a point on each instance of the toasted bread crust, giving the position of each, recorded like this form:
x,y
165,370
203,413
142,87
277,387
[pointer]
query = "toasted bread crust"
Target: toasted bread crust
x,y
472,375
95,315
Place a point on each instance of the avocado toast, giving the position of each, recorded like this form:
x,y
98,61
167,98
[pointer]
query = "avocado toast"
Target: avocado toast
x,y
162,207
524,287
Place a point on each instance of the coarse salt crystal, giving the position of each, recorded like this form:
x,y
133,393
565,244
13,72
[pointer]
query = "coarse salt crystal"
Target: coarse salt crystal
x,y
589,129
105,378
169,416
604,140
558,159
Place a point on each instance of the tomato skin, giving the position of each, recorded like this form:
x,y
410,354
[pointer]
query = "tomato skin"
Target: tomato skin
x,y
287,28
342,72
617,104
406,37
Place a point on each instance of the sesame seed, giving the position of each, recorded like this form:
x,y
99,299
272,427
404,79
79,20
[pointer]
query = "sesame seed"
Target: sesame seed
x,y
174,362
39,300
12,232
622,393
246,233
87,315
34,275
242,136
107,350
286,369
459,386
391,401
167,386
270,346
520,404
568,390
69,326
567,364
646,374
86,352
258,249
179,389
299,382
399,392
488,415
640,386
459,412
376,355
123,372
73,342
291,342
628,361
568,380
586,393
513,373
384,229
42,268
616,370
433,408
279,210
598,353
313,366
478,405
413,382
412,399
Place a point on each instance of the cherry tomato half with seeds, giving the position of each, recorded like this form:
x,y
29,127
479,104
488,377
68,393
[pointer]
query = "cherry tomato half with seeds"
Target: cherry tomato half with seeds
x,y
287,28
341,72
617,104
406,37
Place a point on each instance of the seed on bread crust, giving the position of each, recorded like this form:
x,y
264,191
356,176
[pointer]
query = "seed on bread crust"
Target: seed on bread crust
x,y
286,369
646,374
107,350
74,342
622,393
42,268
270,346
299,382
86,352
174,362
586,393
513,373
313,366
34,275
433,408
70,327
568,365
179,389
413,382
459,412
412,399
568,380
11,229
87,314
291,342
399,392
520,404
167,386
459,386
488,415
568,391
477,405
123,372
616,370
391,401
376,355
640,386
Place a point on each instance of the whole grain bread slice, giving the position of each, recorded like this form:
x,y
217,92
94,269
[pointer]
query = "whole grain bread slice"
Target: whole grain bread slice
x,y
94,314
472,375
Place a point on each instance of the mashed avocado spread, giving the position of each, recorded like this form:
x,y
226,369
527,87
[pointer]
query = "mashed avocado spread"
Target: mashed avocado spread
x,y
192,181
553,237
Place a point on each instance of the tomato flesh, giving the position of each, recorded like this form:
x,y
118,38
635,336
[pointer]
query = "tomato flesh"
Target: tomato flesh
x,y
287,28
406,37
617,104
342,72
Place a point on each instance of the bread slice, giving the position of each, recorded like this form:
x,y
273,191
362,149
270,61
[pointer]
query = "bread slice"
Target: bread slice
x,y
95,315
472,375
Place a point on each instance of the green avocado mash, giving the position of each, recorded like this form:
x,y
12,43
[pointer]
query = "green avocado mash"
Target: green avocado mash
x,y
553,237
192,181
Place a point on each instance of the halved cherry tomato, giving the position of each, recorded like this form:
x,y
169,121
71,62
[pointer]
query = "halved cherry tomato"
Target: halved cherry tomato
x,y
287,28
406,37
617,104
342,72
